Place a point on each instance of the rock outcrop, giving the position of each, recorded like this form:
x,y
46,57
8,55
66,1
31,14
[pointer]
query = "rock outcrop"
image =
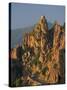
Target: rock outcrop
x,y
43,57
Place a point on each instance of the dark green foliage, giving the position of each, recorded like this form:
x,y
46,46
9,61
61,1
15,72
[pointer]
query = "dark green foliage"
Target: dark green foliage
x,y
44,70
62,54
29,70
17,82
19,52
51,36
40,65
36,60
37,74
16,71
49,56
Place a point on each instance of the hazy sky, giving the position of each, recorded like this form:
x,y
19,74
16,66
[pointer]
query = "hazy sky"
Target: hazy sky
x,y
25,15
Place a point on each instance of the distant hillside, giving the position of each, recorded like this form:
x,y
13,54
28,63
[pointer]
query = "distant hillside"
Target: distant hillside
x,y
17,35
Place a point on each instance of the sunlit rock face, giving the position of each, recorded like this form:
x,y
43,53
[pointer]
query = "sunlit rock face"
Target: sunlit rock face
x,y
58,48
42,62
13,54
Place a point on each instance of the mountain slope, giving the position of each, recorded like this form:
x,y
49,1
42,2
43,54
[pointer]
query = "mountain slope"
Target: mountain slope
x,y
18,34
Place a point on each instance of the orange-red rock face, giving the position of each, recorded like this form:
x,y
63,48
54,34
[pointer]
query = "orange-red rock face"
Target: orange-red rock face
x,y
13,54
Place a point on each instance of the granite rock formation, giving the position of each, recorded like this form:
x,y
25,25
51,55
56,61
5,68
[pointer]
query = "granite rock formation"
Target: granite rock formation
x,y
42,55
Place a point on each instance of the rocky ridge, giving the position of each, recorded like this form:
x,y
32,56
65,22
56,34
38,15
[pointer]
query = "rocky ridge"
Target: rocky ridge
x,y
42,54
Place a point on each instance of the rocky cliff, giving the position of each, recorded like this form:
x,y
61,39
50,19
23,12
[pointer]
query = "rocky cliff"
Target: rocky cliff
x,y
42,54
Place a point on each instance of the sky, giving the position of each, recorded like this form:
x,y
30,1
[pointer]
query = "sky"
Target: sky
x,y
25,15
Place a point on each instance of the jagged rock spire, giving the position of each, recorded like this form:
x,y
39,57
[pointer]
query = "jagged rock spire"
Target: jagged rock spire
x,y
42,25
57,30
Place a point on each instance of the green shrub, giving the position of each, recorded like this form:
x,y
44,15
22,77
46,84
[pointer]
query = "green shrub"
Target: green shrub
x,y
44,70
49,56
17,82
36,60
